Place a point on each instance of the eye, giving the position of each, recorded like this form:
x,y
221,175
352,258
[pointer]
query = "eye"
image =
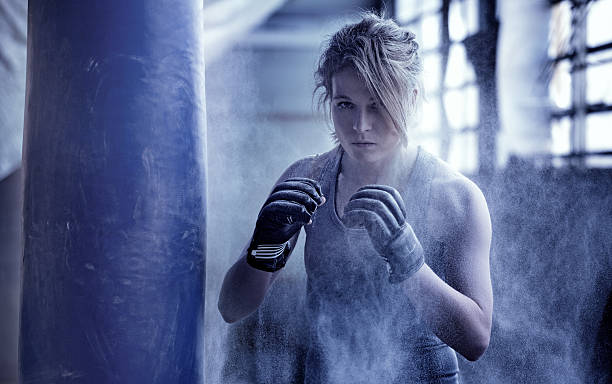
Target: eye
x,y
344,105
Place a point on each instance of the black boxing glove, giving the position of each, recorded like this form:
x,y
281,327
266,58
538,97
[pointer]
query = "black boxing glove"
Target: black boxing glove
x,y
380,209
290,205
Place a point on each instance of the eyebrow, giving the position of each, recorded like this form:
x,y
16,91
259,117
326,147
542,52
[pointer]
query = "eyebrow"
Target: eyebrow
x,y
348,98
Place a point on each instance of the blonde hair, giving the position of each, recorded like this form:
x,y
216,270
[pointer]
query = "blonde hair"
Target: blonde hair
x,y
386,57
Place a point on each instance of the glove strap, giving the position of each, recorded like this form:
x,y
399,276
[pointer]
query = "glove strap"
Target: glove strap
x,y
268,257
268,251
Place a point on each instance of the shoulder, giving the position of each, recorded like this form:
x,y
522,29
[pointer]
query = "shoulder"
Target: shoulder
x,y
456,205
309,166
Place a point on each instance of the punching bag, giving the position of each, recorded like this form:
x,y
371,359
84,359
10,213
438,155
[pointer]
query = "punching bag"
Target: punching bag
x,y
114,193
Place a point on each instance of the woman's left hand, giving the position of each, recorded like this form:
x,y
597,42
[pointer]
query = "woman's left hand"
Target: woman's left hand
x,y
380,209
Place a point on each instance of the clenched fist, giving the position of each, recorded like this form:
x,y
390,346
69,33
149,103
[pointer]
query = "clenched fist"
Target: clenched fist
x,y
290,205
380,209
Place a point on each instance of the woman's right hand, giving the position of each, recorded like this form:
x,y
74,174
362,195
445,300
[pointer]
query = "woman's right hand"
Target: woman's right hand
x,y
290,206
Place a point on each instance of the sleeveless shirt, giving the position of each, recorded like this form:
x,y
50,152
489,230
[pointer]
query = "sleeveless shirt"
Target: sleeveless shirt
x,y
362,329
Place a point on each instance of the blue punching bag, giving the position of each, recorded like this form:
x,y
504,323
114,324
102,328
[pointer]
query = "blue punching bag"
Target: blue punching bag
x,y
114,196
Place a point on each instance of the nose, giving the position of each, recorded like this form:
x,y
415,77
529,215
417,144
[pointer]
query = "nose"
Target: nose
x,y
362,121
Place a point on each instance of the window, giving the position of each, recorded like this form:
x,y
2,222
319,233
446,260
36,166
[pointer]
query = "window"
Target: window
x,y
450,111
580,87
579,80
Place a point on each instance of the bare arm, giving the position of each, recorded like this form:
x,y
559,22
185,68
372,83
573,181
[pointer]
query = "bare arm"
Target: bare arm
x,y
458,311
244,288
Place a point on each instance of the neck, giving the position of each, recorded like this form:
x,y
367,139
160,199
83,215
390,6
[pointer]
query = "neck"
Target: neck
x,y
384,171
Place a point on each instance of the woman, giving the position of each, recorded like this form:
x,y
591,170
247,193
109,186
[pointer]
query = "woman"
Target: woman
x,y
397,243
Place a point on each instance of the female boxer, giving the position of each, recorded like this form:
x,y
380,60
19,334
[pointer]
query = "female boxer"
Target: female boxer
x,y
397,243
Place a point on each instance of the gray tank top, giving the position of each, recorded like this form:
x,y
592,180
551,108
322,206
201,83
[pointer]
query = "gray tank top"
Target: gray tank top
x,y
362,329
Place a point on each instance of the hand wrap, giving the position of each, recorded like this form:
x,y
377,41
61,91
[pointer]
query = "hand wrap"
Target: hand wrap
x,y
380,209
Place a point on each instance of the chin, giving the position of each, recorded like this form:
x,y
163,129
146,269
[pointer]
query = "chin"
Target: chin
x,y
366,156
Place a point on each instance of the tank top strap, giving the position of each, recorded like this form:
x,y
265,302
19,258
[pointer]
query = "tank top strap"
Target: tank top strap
x,y
323,168
426,170
416,192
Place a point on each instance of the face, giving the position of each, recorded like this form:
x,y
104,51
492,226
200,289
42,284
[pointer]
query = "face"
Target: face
x,y
362,125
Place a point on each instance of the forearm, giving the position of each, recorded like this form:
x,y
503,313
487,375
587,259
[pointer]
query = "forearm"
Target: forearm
x,y
244,289
454,317
289,207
